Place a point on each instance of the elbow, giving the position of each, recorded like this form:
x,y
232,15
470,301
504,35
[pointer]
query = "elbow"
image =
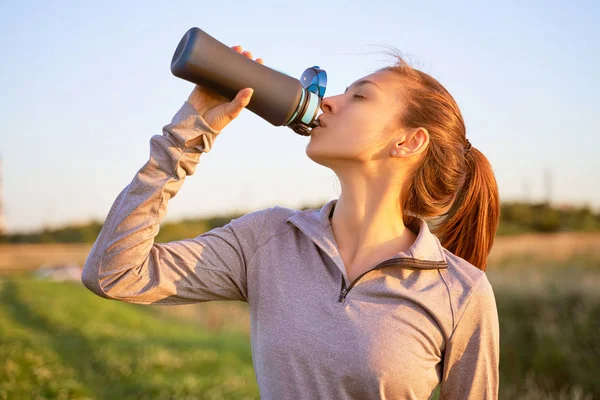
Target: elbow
x,y
113,286
90,279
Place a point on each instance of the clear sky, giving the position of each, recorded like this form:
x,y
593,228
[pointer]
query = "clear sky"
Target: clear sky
x,y
84,86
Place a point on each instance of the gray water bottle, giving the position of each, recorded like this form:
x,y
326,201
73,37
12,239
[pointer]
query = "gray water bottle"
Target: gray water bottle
x,y
278,98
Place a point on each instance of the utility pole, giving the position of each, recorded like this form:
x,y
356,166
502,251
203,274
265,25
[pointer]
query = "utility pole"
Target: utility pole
x,y
548,185
526,191
2,220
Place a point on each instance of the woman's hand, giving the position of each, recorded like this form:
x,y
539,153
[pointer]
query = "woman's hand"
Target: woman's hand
x,y
216,110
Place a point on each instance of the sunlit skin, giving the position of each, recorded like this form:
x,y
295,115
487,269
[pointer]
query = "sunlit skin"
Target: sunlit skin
x,y
360,133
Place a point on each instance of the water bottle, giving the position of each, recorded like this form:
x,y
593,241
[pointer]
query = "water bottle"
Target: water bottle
x,y
278,98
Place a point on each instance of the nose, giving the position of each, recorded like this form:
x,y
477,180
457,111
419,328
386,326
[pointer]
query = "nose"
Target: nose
x,y
326,104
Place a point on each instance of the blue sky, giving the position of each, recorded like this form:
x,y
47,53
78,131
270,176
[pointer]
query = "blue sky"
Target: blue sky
x,y
86,84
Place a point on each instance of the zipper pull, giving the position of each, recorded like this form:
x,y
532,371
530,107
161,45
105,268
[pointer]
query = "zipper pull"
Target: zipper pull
x,y
343,294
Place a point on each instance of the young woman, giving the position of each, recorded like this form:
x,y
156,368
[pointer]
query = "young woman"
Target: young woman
x,y
358,299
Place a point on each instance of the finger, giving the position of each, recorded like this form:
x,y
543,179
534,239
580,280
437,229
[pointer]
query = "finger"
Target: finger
x,y
260,61
247,54
237,48
240,101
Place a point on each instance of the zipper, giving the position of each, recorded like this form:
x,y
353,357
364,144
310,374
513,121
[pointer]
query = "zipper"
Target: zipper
x,y
392,261
345,289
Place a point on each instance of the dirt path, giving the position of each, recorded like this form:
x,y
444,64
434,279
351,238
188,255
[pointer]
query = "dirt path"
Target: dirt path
x,y
31,256
559,246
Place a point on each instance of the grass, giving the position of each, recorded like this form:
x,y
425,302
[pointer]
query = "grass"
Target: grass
x,y
59,341
549,346
549,315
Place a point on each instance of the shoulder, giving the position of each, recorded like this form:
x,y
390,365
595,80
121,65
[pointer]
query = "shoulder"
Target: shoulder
x,y
281,214
465,283
277,220
268,221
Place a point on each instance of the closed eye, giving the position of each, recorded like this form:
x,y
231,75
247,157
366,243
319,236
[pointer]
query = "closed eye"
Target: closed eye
x,y
359,96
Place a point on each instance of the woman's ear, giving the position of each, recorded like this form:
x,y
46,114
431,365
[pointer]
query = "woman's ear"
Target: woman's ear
x,y
413,144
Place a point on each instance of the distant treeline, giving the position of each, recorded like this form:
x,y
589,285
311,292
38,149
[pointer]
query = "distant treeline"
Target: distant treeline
x,y
515,217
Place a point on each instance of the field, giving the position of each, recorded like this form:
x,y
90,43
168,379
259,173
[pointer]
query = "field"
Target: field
x,y
59,341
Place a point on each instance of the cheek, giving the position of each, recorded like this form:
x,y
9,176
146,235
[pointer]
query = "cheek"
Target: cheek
x,y
349,143
329,143
365,131
360,130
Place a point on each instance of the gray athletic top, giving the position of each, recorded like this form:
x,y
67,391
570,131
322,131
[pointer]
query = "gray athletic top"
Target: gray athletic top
x,y
420,318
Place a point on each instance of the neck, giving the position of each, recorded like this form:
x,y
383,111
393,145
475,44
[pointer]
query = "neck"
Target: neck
x,y
368,225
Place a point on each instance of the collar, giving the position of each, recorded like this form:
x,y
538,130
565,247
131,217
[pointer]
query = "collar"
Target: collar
x,y
425,253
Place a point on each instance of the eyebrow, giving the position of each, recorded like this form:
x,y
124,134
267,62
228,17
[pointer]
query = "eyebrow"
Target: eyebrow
x,y
362,82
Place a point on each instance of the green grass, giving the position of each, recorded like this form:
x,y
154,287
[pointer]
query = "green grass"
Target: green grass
x,y
549,327
549,345
59,341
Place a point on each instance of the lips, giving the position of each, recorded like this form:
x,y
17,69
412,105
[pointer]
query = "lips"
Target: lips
x,y
320,125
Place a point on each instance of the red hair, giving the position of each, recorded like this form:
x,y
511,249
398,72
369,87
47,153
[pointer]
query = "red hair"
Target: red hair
x,y
453,188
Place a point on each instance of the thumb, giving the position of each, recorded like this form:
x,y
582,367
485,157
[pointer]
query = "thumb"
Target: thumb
x,y
241,100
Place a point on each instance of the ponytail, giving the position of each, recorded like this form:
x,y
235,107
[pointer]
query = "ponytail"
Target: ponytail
x,y
453,189
469,227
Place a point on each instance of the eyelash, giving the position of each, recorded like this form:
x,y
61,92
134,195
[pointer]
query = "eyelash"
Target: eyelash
x,y
358,96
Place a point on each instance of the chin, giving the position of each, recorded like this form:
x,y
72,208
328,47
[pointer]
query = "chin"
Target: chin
x,y
318,155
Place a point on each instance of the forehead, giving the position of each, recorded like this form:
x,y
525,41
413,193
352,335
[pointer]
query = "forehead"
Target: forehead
x,y
385,80
392,88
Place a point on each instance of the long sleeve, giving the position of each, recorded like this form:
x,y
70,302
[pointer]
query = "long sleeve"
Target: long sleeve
x,y
472,355
125,264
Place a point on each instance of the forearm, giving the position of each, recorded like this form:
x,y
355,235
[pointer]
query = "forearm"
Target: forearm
x,y
127,237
